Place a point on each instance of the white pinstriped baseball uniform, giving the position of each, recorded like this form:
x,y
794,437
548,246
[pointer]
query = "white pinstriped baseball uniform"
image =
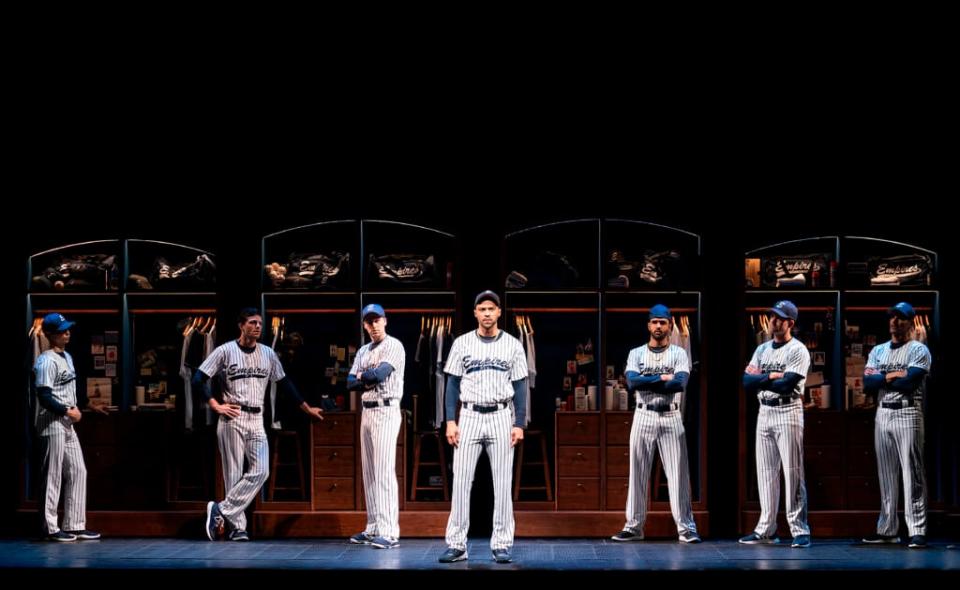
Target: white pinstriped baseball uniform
x,y
63,465
246,376
663,430
487,368
898,439
379,428
779,439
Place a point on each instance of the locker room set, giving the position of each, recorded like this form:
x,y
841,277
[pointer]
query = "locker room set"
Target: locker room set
x,y
752,457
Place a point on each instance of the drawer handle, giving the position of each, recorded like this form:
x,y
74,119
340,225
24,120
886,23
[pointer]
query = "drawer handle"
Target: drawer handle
x,y
626,423
626,486
626,453
579,485
819,453
334,486
580,455
579,422
334,455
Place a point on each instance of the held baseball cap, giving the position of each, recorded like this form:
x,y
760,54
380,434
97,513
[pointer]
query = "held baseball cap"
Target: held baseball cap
x,y
55,322
373,309
487,296
660,311
903,309
785,309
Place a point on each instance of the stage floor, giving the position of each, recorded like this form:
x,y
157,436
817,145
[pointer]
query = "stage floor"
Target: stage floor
x,y
420,555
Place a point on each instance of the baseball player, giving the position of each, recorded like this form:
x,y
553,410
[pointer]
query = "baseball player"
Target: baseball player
x,y
248,367
776,373
486,376
377,371
657,372
57,410
897,371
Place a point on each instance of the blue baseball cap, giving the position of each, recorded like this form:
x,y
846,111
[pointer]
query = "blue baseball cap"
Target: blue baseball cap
x,y
660,311
487,295
904,309
785,309
372,309
55,322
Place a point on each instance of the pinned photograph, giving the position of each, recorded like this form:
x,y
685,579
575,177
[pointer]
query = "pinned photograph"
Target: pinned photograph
x,y
111,353
568,383
819,359
571,367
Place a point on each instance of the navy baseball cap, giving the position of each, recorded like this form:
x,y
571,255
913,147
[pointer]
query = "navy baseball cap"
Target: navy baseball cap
x,y
660,311
785,309
55,322
373,309
903,309
487,295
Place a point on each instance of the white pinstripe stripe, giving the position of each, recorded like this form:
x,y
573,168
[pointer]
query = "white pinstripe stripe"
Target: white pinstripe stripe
x,y
487,368
489,431
63,470
56,372
652,430
66,471
779,440
246,374
371,355
245,383
379,428
898,439
242,438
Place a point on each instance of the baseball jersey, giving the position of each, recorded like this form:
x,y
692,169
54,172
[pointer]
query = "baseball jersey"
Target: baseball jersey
x,y
246,374
643,360
487,367
887,359
792,357
55,371
390,351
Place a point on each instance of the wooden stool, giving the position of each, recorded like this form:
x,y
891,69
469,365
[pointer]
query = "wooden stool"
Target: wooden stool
x,y
417,464
518,467
276,465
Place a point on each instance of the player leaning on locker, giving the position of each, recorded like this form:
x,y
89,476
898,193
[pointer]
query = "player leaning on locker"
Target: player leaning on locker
x,y
377,371
487,378
248,368
58,409
896,371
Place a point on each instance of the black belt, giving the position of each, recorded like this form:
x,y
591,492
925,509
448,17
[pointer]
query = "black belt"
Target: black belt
x,y
250,409
777,401
376,403
659,407
897,405
484,409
